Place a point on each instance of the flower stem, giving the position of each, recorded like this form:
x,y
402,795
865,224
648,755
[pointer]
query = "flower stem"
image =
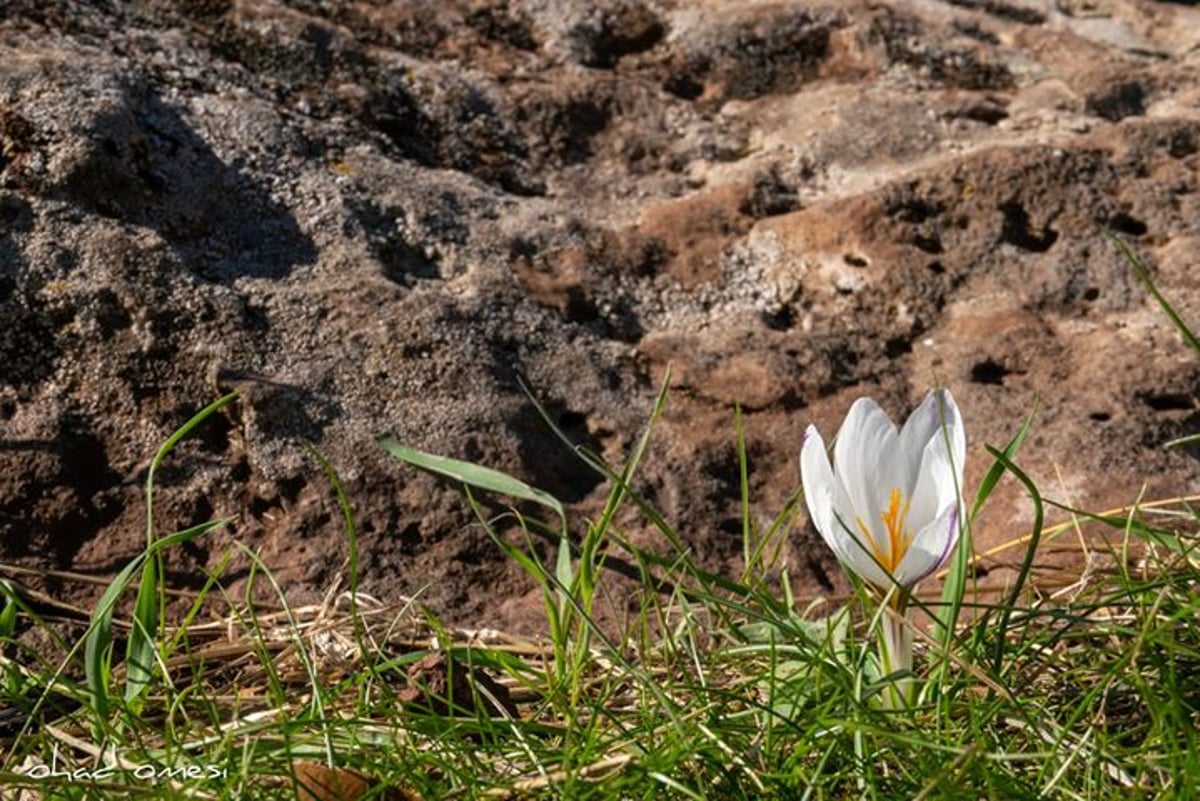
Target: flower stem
x,y
896,651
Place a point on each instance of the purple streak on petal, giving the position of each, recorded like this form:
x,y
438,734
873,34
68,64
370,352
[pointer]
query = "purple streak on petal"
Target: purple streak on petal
x,y
950,540
939,411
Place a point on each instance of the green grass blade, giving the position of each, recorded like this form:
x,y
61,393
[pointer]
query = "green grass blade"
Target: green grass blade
x,y
98,641
180,537
997,469
347,514
1143,275
8,616
955,586
139,651
97,651
748,549
169,446
474,475
1183,442
1035,536
1172,541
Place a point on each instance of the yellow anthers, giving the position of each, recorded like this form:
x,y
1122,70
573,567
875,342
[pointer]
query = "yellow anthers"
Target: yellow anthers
x,y
898,538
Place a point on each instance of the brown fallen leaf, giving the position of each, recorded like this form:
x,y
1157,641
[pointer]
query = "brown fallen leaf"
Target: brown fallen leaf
x,y
319,782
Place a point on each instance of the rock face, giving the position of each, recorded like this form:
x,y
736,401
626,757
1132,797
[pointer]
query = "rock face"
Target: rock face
x,y
378,217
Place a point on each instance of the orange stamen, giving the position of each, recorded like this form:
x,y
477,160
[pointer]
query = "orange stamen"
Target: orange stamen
x,y
869,538
898,538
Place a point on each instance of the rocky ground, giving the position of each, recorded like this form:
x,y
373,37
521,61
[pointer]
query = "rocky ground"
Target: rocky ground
x,y
377,217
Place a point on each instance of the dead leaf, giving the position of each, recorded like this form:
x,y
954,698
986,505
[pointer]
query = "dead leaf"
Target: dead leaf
x,y
319,782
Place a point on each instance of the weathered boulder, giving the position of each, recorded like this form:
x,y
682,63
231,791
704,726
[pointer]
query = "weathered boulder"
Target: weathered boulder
x,y
383,217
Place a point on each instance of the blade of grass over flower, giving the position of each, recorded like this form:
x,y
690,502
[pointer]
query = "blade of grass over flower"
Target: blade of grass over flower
x,y
955,585
996,471
1018,587
474,475
1143,275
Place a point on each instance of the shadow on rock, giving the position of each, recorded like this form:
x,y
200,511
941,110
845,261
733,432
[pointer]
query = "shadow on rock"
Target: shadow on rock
x,y
147,167
55,493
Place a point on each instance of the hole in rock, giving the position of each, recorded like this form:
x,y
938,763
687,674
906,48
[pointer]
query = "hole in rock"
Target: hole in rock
x,y
1017,230
1168,401
569,419
989,371
930,243
897,347
1127,224
781,319
551,464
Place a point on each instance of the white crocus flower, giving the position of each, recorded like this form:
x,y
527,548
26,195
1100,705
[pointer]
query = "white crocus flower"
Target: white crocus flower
x,y
890,505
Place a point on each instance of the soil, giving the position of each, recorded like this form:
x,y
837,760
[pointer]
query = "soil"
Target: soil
x,y
382,218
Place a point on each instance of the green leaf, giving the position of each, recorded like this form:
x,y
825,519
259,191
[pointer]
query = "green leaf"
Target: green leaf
x,y
8,616
140,649
473,475
97,651
139,654
98,643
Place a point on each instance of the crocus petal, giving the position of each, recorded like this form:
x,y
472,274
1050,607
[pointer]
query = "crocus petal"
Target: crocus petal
x,y
922,425
863,458
832,513
856,553
950,427
937,478
937,482
929,548
818,479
